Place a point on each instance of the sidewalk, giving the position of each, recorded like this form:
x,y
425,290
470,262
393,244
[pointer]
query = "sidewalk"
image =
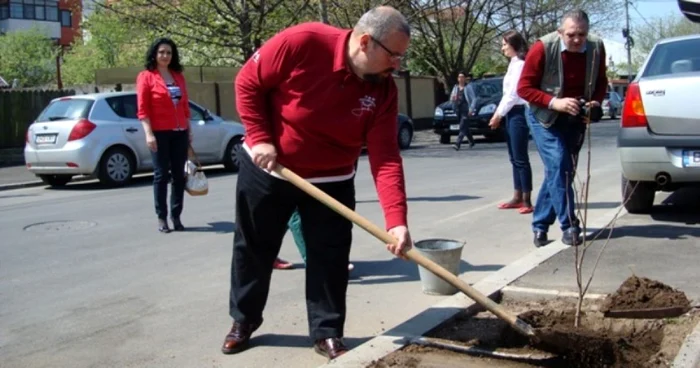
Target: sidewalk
x,y
12,177
662,246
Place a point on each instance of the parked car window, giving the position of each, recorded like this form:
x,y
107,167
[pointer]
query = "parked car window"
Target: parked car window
x,y
124,106
196,113
674,57
66,109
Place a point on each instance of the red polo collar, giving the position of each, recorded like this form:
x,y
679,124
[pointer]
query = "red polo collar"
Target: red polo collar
x,y
340,56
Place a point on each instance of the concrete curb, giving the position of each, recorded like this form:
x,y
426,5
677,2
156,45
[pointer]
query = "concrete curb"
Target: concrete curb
x,y
37,183
399,336
26,184
522,293
689,354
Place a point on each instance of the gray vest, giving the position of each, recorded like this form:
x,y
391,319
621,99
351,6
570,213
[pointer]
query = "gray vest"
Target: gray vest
x,y
553,76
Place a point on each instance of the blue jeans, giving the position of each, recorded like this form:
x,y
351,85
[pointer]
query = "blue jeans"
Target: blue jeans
x,y
464,126
517,140
558,146
169,162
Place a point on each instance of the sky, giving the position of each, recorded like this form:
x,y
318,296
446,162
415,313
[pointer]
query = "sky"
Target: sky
x,y
641,12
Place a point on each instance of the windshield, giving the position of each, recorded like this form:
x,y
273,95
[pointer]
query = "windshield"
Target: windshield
x,y
674,57
66,109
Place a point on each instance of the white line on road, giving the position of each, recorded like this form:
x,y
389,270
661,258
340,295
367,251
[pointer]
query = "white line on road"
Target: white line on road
x,y
481,208
477,209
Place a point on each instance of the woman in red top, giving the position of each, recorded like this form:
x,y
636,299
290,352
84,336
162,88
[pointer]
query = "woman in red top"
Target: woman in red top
x,y
163,108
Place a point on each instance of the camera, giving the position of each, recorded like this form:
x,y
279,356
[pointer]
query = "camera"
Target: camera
x,y
596,112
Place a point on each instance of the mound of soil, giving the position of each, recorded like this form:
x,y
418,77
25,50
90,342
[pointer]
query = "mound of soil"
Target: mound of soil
x,y
597,342
643,293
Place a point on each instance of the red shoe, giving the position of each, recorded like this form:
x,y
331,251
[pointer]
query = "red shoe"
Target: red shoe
x,y
509,205
281,264
525,210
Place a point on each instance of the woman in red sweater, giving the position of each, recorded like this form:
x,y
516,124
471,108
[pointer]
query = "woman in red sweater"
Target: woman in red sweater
x,y
164,111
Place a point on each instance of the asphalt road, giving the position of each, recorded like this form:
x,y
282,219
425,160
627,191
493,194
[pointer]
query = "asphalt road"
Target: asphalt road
x,y
87,281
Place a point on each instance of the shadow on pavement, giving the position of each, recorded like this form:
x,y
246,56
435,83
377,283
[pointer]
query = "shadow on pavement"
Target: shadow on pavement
x,y
673,219
397,270
449,198
298,341
219,227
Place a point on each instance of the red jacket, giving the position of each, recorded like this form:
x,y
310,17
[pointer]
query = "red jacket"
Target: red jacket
x,y
298,93
155,104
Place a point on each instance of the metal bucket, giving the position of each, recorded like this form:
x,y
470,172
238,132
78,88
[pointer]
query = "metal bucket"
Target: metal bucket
x,y
446,253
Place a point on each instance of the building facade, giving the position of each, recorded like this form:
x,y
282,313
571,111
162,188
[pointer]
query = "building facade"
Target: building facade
x,y
58,19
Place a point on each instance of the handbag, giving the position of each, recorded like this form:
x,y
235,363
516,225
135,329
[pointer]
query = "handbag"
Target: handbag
x,y
196,183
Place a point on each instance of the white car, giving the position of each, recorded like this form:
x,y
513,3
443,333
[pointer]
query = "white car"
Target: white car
x,y
99,135
659,138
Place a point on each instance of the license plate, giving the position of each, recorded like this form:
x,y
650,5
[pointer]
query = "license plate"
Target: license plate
x,y
454,127
691,158
45,139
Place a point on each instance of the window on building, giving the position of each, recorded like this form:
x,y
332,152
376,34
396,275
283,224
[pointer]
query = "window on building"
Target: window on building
x,y
30,9
52,13
16,10
39,12
66,18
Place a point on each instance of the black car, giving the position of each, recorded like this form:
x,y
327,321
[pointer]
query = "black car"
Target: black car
x,y
488,95
404,132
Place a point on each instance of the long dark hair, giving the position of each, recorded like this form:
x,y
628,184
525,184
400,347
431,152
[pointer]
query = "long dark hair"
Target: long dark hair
x,y
152,63
517,42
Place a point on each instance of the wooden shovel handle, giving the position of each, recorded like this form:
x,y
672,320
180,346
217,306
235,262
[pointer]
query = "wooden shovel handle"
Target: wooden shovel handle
x,y
411,254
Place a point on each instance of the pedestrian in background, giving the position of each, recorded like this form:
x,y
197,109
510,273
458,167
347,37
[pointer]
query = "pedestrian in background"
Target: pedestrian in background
x,y
463,99
164,111
561,69
512,108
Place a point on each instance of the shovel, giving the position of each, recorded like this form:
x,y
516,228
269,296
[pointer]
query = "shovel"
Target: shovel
x,y
413,255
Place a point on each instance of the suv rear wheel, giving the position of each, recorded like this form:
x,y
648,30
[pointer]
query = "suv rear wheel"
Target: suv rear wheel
x,y
638,196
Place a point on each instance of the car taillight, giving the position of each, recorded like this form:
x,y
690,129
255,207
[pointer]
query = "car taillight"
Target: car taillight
x,y
81,129
26,136
633,114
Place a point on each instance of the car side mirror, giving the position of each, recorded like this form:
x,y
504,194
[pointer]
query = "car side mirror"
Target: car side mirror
x,y
691,10
207,115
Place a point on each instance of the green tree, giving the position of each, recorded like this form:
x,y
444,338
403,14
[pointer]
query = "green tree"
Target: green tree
x,y
535,18
28,56
647,33
215,32
108,42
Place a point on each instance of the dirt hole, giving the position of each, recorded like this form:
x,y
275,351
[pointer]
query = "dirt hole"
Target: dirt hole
x,y
622,342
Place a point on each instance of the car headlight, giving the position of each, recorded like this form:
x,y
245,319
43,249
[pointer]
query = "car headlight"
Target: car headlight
x,y
438,112
488,109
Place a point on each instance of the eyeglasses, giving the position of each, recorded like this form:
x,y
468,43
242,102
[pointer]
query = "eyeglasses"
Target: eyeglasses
x,y
394,55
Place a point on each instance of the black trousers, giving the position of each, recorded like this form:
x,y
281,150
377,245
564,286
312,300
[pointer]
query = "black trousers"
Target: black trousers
x,y
169,161
264,205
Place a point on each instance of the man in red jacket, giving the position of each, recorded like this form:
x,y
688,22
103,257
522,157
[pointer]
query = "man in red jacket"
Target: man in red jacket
x,y
560,69
309,98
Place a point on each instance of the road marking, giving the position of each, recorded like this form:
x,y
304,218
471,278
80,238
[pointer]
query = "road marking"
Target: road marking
x,y
595,172
477,209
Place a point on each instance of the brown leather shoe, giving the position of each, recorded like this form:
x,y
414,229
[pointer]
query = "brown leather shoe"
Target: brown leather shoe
x,y
330,348
238,338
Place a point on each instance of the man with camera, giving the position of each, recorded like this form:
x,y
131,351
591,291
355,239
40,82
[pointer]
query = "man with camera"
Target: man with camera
x,y
563,80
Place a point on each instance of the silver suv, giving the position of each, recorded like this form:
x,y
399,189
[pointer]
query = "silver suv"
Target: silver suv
x,y
100,135
659,139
